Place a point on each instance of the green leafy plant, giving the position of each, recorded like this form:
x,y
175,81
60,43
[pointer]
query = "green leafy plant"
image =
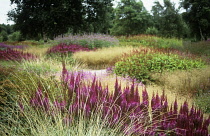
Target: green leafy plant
x,y
140,66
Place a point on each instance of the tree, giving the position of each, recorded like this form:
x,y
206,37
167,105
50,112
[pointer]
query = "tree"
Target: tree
x,y
45,17
131,18
167,20
98,15
5,30
197,15
50,18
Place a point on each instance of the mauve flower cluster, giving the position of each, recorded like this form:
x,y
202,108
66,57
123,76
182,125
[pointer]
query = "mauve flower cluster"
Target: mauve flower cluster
x,y
10,54
5,46
123,107
90,40
64,48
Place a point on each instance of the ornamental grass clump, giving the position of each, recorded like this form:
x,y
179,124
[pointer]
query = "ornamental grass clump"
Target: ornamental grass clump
x,y
124,108
89,40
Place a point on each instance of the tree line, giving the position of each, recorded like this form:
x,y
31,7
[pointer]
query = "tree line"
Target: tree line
x,y
50,18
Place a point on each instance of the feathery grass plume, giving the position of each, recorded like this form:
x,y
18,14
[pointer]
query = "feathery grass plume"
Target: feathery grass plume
x,y
102,58
122,108
193,82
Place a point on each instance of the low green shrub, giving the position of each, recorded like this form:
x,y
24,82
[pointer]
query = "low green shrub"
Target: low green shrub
x,y
15,36
140,66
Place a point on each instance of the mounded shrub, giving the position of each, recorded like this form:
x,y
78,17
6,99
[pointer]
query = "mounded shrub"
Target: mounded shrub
x,y
143,63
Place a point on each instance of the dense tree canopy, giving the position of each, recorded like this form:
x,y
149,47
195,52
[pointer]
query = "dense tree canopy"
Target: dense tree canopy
x,y
5,30
197,15
131,17
54,17
50,18
98,15
167,20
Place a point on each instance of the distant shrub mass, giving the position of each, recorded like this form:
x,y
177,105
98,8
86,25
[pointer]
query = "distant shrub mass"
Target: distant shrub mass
x,y
153,41
90,41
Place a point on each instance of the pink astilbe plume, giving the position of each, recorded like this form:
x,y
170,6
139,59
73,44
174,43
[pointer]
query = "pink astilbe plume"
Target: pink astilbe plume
x,y
14,55
122,108
40,101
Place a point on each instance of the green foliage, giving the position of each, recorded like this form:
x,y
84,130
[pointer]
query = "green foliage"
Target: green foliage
x,y
98,16
168,20
152,41
16,36
151,31
131,18
140,66
197,15
5,31
3,36
48,19
203,102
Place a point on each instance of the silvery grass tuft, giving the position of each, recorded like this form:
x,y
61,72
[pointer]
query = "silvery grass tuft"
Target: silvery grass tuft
x,y
122,109
89,40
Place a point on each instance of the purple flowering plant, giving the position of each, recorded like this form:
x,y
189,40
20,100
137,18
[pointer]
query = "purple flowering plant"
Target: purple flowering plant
x,y
64,51
14,55
89,40
124,107
4,46
64,48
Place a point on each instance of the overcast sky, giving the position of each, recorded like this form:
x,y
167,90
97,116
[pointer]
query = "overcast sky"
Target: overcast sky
x,y
5,7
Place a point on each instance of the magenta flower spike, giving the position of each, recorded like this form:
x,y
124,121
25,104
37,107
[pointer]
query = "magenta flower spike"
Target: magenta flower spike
x,y
46,104
124,107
